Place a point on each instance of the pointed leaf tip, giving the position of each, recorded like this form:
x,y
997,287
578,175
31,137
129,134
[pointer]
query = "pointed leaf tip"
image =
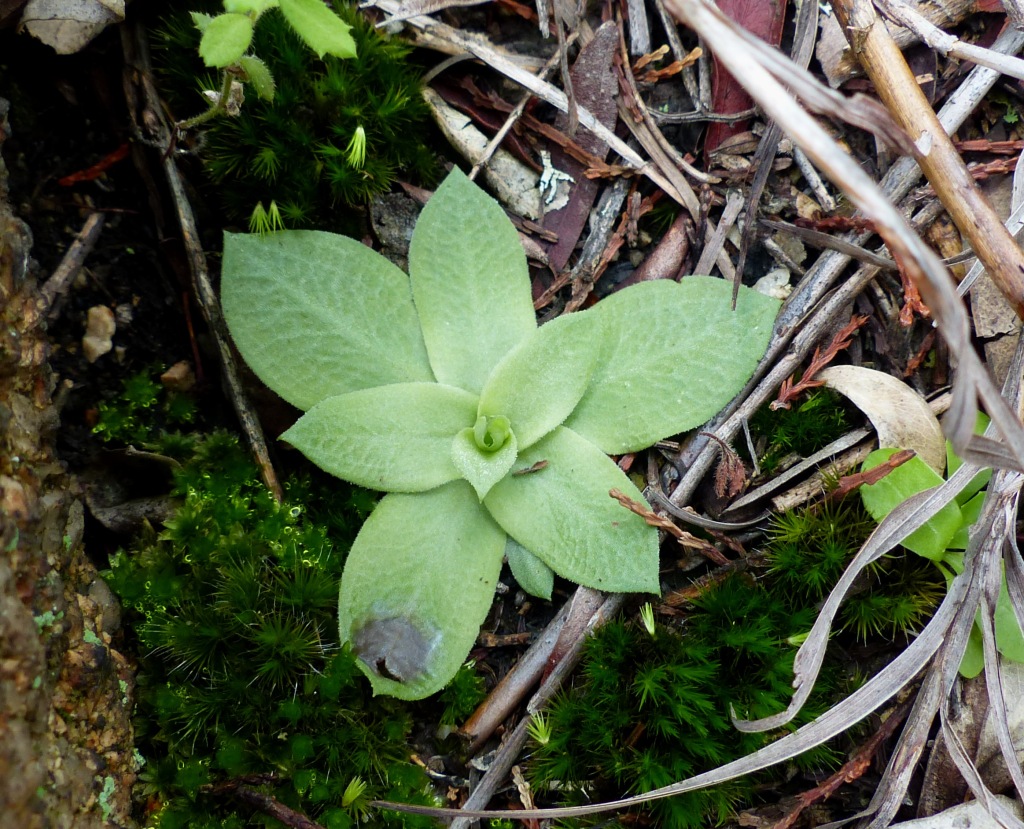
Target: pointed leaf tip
x,y
470,283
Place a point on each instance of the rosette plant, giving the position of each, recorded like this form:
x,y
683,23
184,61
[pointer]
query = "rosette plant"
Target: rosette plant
x,y
490,435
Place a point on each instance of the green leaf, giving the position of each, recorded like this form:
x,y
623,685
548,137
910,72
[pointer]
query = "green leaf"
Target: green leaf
x,y
973,662
321,29
259,76
481,468
225,39
563,514
201,20
255,7
417,585
1009,639
930,540
538,383
954,462
970,512
673,355
533,575
317,315
470,283
397,438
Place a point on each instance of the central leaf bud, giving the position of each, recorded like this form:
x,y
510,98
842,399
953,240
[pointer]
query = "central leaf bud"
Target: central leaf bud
x,y
491,432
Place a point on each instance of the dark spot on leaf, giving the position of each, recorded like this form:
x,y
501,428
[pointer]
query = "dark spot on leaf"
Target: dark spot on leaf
x,y
393,648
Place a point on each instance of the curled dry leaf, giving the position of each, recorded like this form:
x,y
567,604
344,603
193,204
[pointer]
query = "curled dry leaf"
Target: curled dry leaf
x,y
899,414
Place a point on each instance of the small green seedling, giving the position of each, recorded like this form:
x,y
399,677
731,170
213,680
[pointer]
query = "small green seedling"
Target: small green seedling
x,y
228,36
490,434
943,538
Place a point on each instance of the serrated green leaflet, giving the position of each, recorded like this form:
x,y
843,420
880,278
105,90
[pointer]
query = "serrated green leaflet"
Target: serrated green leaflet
x,y
414,554
258,75
469,278
674,355
539,383
225,39
396,438
320,28
315,315
201,20
562,514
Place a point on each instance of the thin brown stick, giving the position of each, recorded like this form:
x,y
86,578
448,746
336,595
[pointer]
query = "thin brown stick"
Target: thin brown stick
x,y
568,654
152,129
941,163
73,259
514,686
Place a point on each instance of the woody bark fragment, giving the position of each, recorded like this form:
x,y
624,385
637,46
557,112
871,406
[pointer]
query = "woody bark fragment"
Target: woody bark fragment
x,y
939,160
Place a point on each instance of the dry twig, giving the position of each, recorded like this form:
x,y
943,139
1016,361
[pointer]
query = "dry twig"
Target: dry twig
x,y
73,259
152,128
941,163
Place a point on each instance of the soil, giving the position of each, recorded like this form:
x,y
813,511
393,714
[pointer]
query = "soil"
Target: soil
x,y
66,743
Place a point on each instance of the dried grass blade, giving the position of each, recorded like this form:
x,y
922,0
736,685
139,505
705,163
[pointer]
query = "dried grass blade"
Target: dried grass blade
x,y
992,574
896,526
869,697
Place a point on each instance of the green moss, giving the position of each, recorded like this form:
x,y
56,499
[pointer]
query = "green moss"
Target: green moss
x,y
295,149
142,411
808,549
234,605
803,429
465,692
654,709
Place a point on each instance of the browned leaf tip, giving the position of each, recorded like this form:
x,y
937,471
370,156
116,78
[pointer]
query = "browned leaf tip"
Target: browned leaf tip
x,y
848,483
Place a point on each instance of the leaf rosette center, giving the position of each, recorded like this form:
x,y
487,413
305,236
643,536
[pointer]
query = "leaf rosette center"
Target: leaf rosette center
x,y
491,433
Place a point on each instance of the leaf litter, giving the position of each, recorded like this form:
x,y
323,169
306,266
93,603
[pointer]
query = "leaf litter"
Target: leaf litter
x,y
818,307
613,177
